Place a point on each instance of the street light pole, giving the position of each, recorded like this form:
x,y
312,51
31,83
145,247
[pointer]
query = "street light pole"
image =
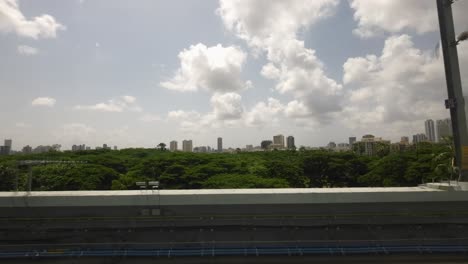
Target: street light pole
x,y
455,101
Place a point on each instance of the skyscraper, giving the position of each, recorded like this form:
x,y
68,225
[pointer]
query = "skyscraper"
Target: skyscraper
x,y
265,144
352,140
421,137
290,143
173,145
187,145
430,131
444,128
8,143
278,140
220,144
404,140
7,147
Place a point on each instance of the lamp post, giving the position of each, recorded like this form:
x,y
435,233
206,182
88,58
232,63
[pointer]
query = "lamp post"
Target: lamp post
x,y
455,101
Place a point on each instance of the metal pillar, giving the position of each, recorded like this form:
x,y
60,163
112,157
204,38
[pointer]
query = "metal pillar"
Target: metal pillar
x,y
455,101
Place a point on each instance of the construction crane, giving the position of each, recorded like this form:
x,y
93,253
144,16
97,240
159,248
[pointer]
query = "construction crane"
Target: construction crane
x,y
31,163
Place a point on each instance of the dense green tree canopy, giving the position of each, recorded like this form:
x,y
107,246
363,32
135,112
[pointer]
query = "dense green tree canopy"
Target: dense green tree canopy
x,y
120,170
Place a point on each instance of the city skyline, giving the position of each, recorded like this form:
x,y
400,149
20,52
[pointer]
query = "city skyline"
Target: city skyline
x,y
243,76
432,134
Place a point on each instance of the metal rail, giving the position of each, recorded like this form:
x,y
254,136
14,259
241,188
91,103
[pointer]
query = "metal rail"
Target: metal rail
x,y
213,252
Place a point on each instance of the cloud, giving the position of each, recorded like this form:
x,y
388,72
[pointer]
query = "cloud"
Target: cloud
x,y
128,99
264,113
43,101
227,106
192,121
148,118
261,22
227,110
403,84
375,17
27,50
181,114
120,104
214,69
272,27
13,20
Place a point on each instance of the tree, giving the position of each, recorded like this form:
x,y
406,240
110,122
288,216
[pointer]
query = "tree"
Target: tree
x,y
162,146
7,178
288,171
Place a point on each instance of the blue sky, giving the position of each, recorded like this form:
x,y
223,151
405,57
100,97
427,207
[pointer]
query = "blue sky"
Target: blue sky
x,y
136,73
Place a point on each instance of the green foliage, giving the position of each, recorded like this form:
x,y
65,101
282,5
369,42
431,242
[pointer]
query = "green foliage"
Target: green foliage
x,y
55,177
120,170
7,177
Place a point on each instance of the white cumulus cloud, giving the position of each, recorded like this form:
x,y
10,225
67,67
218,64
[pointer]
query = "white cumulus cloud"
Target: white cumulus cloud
x,y
378,16
403,84
214,69
13,20
261,22
120,104
43,101
27,50
264,113
227,106
272,26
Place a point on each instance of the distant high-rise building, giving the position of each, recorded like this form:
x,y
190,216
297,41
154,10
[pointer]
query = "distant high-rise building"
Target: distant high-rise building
x,y
78,147
220,144
444,128
421,137
368,145
249,147
278,140
116,148
331,145
290,142
187,146
8,143
104,146
6,148
352,140
42,149
404,140
201,149
173,145
430,131
266,143
342,147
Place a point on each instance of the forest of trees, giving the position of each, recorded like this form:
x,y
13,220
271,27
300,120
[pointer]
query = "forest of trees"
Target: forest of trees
x,y
120,170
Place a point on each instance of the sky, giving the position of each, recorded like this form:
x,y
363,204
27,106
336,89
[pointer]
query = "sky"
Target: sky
x,y
137,73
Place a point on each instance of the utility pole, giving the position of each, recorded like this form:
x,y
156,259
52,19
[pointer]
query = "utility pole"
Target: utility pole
x,y
455,101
